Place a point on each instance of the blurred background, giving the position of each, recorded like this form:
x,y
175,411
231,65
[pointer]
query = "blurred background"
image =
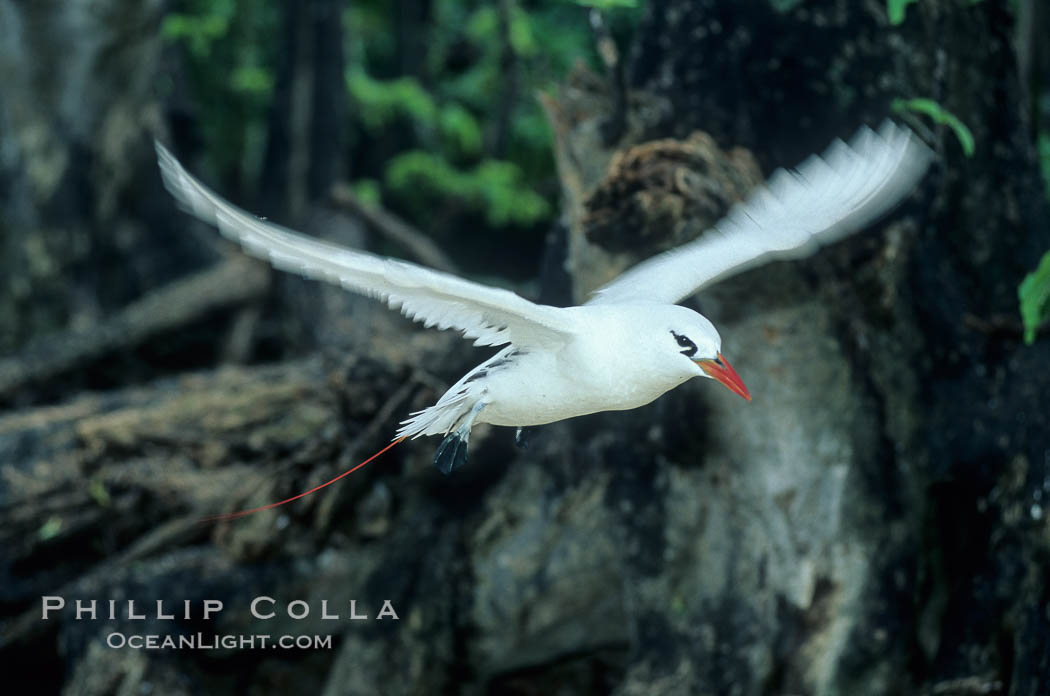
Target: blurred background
x,y
873,522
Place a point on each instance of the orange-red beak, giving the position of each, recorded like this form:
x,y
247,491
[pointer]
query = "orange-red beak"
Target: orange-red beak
x,y
721,370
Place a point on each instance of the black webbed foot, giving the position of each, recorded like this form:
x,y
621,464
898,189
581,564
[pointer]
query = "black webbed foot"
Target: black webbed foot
x,y
451,453
523,436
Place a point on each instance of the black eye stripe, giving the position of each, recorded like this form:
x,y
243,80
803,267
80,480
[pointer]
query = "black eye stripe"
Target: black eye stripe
x,y
684,342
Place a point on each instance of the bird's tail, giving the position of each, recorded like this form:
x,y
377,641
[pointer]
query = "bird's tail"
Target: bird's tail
x,y
439,418
245,513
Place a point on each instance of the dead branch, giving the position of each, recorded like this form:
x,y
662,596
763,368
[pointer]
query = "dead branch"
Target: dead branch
x,y
421,247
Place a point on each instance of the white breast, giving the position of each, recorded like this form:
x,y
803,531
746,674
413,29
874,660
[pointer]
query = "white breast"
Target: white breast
x,y
605,368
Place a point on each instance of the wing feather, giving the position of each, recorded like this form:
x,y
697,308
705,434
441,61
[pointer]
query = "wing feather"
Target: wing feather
x,y
823,200
490,316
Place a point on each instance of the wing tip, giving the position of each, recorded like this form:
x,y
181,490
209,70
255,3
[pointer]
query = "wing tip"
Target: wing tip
x,y
882,166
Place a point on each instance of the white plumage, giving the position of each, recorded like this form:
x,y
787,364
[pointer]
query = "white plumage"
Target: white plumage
x,y
630,343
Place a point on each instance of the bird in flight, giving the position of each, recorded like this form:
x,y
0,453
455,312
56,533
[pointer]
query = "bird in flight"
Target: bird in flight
x,y
631,341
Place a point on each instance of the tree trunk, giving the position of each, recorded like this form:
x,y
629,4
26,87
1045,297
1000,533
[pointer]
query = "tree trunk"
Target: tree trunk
x,y
75,118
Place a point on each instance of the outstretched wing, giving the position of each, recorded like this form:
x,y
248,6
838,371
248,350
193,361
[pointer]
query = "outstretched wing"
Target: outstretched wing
x,y
823,200
490,316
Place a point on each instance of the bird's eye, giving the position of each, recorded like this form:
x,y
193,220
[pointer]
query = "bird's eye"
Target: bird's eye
x,y
689,346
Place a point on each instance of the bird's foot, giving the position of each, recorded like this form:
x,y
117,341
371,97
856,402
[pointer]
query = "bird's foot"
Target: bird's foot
x,y
523,436
451,453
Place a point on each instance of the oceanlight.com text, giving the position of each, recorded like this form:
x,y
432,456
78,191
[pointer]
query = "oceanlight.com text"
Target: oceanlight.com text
x,y
213,641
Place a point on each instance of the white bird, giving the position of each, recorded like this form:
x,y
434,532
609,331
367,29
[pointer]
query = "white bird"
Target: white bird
x,y
631,342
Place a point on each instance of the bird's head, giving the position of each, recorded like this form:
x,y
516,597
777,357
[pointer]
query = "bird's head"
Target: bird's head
x,y
695,338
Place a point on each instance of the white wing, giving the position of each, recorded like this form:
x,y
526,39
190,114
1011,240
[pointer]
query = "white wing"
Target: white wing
x,y
490,316
824,200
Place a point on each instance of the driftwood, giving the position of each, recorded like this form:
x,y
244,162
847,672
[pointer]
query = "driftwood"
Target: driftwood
x,y
114,479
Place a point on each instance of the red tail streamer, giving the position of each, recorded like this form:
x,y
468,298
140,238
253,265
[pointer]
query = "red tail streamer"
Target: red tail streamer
x,y
245,513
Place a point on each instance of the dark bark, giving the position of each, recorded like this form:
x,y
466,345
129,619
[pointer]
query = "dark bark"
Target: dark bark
x,y
328,116
411,18
274,182
80,234
500,133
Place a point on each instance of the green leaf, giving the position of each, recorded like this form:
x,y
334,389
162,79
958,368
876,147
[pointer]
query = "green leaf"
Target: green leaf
x,y
460,127
896,9
940,115
200,29
495,188
97,490
50,529
483,24
381,101
506,200
1034,294
418,171
251,79
367,192
522,38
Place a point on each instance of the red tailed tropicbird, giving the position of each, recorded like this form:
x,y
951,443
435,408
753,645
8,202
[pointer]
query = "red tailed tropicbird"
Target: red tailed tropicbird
x,y
630,342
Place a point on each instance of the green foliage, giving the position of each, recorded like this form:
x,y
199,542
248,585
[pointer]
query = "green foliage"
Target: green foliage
x,y
381,103
1034,291
460,129
229,62
367,191
499,185
1043,146
98,491
443,121
251,79
940,115
522,39
493,186
446,116
484,23
896,10
51,528
1034,295
201,27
